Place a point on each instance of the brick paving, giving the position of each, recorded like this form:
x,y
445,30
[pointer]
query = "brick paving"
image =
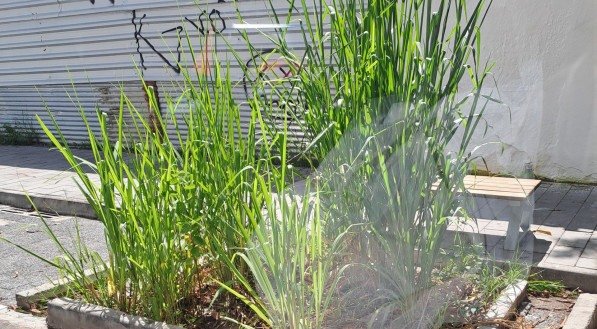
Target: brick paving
x,y
39,171
562,230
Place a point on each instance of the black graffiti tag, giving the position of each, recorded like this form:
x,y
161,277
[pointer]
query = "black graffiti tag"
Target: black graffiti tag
x,y
270,65
139,37
205,23
216,23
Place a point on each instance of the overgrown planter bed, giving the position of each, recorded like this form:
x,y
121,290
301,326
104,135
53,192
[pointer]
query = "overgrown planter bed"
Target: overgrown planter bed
x,y
188,207
68,313
64,312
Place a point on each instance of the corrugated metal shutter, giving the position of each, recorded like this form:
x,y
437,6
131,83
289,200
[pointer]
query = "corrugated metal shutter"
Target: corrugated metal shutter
x,y
19,106
77,41
180,109
54,43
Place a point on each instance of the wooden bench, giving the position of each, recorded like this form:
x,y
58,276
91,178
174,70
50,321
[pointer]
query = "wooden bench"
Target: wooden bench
x,y
517,191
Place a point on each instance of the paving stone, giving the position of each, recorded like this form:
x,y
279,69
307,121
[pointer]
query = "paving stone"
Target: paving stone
x,y
585,220
540,191
564,255
524,257
552,197
470,226
560,218
575,195
572,206
590,263
590,250
492,209
538,243
550,233
574,239
492,237
501,254
539,215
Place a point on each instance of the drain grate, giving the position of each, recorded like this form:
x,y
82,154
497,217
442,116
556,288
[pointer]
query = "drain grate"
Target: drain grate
x,y
28,212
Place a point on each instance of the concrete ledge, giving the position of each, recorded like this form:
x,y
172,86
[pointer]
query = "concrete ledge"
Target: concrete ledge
x,y
64,313
571,276
584,313
46,291
48,204
31,296
505,305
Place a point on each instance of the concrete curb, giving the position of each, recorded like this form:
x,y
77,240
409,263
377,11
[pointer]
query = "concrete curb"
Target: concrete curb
x,y
584,313
64,313
48,204
571,276
31,296
505,305
46,291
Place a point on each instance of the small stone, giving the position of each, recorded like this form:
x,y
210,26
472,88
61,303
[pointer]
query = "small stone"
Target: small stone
x,y
33,229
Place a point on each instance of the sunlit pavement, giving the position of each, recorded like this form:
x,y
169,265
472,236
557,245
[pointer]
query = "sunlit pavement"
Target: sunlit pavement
x,y
20,271
38,171
10,319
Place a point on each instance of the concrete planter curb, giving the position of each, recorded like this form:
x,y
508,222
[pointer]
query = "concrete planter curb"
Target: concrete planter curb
x,y
48,204
571,276
505,305
584,313
46,291
64,313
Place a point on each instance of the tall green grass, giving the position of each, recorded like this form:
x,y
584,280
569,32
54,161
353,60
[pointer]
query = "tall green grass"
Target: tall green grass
x,y
173,207
362,52
378,93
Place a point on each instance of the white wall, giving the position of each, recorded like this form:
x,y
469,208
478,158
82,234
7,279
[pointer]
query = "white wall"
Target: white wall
x,y
546,72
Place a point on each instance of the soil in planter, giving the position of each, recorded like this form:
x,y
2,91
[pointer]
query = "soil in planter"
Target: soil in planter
x,y
545,311
201,312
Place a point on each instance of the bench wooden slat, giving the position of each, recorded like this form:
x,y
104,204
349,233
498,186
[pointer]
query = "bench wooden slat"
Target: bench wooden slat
x,y
498,194
501,181
504,181
490,187
499,187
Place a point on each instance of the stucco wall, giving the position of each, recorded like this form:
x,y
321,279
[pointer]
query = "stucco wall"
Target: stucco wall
x,y
546,72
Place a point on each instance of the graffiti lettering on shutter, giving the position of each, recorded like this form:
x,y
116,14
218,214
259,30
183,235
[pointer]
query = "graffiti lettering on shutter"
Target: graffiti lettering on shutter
x,y
206,24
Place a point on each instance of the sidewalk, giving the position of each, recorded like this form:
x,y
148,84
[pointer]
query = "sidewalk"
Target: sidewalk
x,y
564,241
562,244
43,175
